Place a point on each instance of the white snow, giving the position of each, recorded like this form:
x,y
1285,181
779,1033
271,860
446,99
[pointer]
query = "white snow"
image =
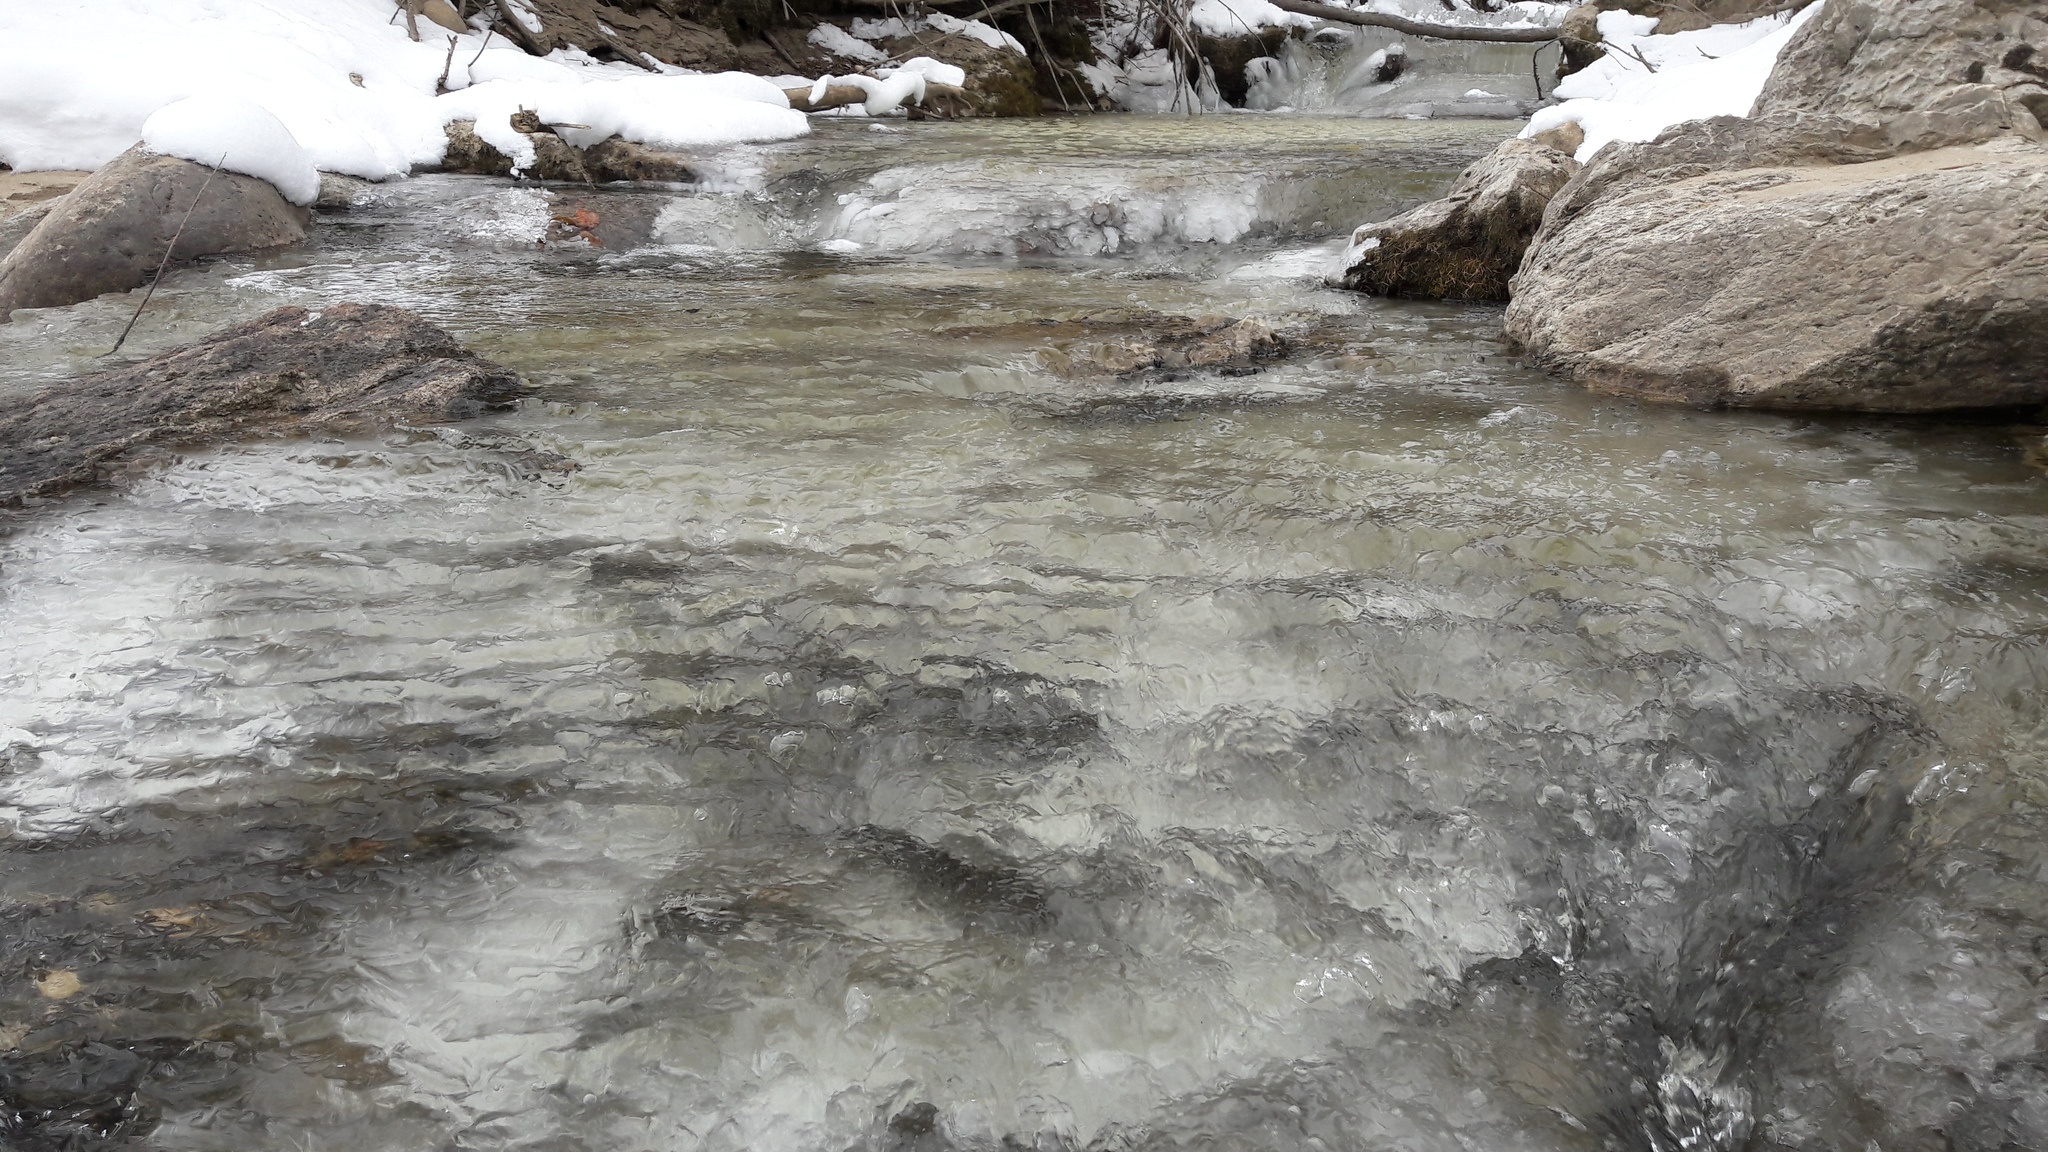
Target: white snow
x,y
1237,17
988,34
1647,83
237,136
888,92
1618,26
836,40
936,71
866,28
78,80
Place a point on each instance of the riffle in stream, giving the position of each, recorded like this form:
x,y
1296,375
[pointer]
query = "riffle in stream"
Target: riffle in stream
x,y
826,719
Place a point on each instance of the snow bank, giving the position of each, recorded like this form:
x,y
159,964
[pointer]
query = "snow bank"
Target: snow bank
x,y
237,136
77,83
1647,83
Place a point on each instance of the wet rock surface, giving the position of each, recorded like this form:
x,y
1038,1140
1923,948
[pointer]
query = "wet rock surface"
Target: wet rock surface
x,y
1467,245
111,232
351,366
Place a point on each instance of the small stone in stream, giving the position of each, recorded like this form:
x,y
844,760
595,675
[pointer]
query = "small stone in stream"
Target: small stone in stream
x,y
112,231
349,367
1162,344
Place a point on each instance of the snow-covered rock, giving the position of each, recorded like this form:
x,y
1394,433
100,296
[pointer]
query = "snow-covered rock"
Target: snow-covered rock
x,y
112,231
1646,83
1868,238
234,135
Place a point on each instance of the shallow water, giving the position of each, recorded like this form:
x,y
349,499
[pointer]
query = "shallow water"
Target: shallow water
x,y
881,740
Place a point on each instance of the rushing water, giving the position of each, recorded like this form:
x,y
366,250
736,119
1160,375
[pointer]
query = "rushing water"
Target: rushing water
x,y
817,722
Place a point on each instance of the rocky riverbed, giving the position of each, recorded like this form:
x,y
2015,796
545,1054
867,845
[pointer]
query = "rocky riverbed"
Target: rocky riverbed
x,y
905,679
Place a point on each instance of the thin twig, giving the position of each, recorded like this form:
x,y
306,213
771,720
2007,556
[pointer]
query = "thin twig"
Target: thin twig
x,y
441,85
1638,54
1534,74
488,29
1051,65
166,261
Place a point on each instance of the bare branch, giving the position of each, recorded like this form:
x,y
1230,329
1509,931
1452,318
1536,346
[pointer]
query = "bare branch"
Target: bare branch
x,y
1417,27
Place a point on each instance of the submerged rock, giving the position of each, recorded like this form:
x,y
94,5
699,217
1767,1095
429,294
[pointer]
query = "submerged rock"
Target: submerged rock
x,y
1130,346
1909,284
1467,245
347,367
110,233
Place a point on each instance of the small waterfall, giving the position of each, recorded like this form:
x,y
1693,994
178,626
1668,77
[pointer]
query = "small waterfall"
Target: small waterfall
x,y
1375,72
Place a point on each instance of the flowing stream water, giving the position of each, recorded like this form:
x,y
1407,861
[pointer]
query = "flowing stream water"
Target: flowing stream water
x,y
825,718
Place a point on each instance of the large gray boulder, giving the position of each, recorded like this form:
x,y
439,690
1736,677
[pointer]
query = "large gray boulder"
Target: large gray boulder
x,y
348,367
1924,73
1871,238
1466,245
1909,284
111,232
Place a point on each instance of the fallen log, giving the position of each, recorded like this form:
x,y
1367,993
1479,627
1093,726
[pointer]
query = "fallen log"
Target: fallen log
x,y
844,95
1418,27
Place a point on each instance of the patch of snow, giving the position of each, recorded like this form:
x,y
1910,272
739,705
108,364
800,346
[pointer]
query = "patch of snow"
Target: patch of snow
x,y
659,111
356,94
888,92
936,71
1647,83
889,28
1482,94
988,34
836,40
1626,25
869,28
237,136
1237,17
